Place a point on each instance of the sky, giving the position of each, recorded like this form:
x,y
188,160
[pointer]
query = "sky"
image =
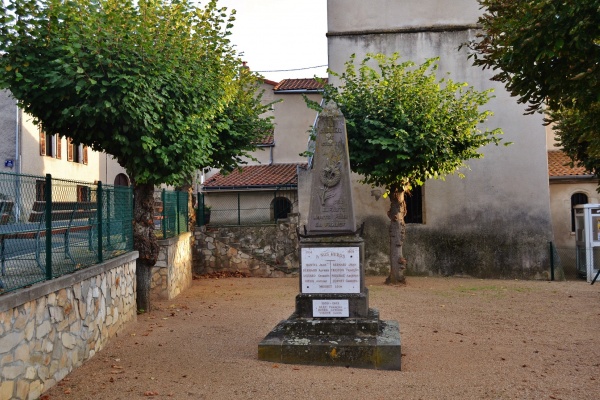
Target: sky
x,y
277,35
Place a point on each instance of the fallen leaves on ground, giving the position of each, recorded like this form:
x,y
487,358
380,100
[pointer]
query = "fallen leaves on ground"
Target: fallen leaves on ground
x,y
221,275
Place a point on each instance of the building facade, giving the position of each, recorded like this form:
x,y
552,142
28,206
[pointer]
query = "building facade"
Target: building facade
x,y
494,223
26,149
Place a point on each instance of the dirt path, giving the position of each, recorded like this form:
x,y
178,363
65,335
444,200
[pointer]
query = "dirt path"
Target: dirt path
x,y
461,339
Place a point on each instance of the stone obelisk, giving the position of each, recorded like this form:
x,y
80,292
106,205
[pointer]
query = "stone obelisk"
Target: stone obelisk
x,y
332,323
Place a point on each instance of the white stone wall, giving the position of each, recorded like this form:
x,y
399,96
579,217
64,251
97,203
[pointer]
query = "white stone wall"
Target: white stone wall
x,y
53,327
172,273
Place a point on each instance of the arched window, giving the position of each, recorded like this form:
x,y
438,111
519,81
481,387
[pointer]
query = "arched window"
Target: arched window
x,y
576,198
121,180
281,207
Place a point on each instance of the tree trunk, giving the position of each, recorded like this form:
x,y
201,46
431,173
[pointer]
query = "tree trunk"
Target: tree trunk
x,y
396,214
144,242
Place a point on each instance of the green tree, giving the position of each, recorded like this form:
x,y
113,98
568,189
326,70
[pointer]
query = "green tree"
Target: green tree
x,y
405,126
155,83
547,53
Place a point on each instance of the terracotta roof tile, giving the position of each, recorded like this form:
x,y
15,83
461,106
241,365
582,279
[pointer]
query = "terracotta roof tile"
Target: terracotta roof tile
x,y
266,141
299,84
558,165
255,176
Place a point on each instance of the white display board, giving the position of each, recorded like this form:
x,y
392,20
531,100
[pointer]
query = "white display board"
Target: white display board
x,y
331,308
330,270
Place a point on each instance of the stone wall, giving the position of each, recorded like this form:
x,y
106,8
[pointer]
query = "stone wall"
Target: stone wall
x,y
172,273
260,251
51,328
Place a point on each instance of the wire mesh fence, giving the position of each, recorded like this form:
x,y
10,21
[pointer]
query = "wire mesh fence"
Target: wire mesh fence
x,y
50,227
246,208
573,260
170,213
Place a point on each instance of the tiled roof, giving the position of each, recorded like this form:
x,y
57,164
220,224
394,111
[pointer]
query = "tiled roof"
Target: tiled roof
x,y
558,165
255,176
270,82
299,84
266,141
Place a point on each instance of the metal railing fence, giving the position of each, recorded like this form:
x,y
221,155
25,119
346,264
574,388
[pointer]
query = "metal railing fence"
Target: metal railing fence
x,y
170,213
572,260
246,208
50,227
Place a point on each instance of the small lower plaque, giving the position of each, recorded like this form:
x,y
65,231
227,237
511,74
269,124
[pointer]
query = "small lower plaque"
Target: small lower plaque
x,y
331,308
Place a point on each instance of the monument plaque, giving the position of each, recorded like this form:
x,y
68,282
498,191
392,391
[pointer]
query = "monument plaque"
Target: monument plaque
x,y
330,270
331,308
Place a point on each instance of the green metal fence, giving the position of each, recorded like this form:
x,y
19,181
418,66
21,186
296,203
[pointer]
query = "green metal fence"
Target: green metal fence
x,y
246,207
572,260
170,213
50,227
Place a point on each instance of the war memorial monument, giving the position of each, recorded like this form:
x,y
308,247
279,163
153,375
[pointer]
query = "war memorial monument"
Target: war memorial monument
x,y
332,324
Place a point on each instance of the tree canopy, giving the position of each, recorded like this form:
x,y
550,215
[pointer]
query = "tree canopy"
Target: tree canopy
x,y
155,83
406,126
547,53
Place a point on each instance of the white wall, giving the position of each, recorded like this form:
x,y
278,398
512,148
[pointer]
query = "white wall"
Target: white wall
x,y
496,222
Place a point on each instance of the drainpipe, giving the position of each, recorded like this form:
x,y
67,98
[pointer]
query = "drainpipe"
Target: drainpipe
x,y
17,137
18,162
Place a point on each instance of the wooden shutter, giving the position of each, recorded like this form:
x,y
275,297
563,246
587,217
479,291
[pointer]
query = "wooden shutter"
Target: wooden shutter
x,y
85,155
58,147
69,149
42,142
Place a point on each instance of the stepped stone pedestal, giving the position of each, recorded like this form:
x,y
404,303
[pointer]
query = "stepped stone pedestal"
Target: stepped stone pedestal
x,y
332,323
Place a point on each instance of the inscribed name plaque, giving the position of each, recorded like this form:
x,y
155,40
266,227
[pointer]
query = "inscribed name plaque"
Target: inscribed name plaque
x,y
330,270
331,308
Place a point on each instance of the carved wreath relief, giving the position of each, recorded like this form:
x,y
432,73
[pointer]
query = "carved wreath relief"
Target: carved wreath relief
x,y
333,153
331,174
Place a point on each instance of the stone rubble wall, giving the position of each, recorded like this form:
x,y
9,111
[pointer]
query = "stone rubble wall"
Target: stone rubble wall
x,y
172,273
259,251
50,328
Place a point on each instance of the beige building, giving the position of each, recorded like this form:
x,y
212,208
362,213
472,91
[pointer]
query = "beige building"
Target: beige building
x,y
26,149
494,223
266,189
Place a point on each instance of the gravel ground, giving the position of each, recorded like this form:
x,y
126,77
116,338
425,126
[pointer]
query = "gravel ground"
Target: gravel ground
x,y
461,339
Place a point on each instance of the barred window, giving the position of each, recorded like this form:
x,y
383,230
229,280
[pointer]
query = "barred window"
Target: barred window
x,y
576,198
414,206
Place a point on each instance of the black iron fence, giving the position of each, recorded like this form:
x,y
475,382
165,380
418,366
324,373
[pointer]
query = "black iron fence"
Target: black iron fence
x,y
50,227
246,207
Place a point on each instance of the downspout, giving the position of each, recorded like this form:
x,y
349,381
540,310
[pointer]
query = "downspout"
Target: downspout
x,y
17,137
18,162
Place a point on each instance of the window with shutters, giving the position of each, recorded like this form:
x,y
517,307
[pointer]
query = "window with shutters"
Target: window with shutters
x,y
48,144
77,152
40,189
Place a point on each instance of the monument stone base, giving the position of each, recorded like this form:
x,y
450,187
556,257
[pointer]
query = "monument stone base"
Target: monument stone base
x,y
350,342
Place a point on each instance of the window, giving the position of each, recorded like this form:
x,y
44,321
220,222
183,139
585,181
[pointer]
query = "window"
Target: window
x,y
281,207
121,180
76,152
40,189
576,198
49,144
414,206
83,193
